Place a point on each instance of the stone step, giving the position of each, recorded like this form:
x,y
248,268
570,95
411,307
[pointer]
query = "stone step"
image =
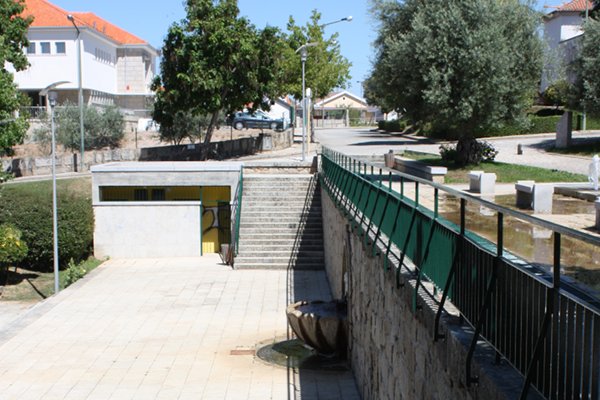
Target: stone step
x,y
277,230
279,220
281,247
280,240
278,254
277,197
279,266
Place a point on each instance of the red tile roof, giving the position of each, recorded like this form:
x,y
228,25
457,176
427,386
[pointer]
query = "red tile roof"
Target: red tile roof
x,y
46,14
576,5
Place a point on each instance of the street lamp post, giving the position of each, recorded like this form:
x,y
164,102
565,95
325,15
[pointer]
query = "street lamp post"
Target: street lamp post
x,y
303,56
80,89
52,96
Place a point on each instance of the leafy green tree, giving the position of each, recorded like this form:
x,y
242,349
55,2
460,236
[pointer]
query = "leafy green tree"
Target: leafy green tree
x,y
13,38
215,61
325,68
460,67
587,69
557,94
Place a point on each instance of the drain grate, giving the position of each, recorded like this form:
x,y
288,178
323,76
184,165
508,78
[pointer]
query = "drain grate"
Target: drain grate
x,y
242,352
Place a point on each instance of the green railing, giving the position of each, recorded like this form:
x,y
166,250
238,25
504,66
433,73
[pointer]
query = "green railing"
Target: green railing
x,y
236,213
544,325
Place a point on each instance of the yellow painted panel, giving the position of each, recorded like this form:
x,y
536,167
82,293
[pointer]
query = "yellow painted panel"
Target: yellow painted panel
x,y
212,197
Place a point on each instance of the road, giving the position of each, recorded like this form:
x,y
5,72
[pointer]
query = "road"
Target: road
x,y
371,142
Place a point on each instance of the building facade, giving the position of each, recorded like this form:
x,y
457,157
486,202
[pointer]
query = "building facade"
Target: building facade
x,y
117,67
562,30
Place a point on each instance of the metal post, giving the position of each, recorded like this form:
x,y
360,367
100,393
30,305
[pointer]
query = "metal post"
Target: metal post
x,y
80,99
303,58
52,100
80,89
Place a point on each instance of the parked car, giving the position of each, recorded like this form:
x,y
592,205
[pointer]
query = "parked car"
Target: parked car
x,y
257,120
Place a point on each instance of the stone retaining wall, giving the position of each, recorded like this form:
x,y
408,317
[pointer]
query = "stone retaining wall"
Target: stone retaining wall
x,y
391,347
28,166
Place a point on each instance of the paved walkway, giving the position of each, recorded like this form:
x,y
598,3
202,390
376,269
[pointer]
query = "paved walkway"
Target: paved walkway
x,y
369,142
164,329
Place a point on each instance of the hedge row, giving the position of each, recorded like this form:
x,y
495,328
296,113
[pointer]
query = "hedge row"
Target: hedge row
x,y
29,208
536,124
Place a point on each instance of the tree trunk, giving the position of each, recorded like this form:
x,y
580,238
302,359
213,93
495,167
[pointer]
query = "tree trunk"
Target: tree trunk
x,y
467,151
211,127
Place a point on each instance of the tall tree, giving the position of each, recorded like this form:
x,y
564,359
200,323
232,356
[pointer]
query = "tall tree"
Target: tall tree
x,y
325,68
215,61
460,66
13,38
586,93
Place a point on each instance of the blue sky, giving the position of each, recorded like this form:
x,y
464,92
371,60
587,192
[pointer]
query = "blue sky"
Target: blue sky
x,y
150,19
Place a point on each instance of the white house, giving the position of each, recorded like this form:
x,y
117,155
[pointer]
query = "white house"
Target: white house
x,y
562,27
117,67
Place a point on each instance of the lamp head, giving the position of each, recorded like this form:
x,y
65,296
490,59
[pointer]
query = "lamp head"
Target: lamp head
x,y
52,96
348,18
70,18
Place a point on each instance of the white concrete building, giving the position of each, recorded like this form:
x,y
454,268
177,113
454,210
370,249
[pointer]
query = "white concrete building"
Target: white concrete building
x,y
162,209
117,67
562,27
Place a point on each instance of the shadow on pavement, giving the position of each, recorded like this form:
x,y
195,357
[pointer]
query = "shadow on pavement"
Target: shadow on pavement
x,y
314,383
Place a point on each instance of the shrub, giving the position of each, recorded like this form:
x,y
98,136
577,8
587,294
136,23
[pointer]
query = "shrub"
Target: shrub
x,y
478,152
73,273
29,208
557,94
103,128
396,125
12,247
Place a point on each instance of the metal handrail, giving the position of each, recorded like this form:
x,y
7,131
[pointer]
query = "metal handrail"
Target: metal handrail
x,y
526,314
236,213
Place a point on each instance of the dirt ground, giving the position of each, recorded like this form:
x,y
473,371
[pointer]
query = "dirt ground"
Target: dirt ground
x,y
134,140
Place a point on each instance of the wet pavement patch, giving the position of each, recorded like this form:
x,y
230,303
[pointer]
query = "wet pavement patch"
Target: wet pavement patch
x,y
295,354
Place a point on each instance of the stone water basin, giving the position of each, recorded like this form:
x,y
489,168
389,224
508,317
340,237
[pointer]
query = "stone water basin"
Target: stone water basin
x,y
321,325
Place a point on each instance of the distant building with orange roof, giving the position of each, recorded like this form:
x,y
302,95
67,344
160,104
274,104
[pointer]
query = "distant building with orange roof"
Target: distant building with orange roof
x,y
562,28
117,67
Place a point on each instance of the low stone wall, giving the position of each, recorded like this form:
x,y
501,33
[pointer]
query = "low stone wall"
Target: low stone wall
x,y
218,150
28,166
391,347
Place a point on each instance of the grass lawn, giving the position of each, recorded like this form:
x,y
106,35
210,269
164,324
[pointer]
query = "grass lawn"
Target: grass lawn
x,y
81,185
505,173
31,286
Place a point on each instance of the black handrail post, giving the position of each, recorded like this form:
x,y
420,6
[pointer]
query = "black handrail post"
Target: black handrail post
x,y
551,308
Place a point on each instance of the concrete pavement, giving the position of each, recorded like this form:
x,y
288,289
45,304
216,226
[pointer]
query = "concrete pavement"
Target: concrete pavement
x,y
164,329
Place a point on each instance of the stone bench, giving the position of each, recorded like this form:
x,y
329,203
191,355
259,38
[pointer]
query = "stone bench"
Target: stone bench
x,y
534,196
416,168
482,182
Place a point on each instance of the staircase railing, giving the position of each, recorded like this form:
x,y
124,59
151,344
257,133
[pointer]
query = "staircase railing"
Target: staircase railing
x,y
236,213
534,318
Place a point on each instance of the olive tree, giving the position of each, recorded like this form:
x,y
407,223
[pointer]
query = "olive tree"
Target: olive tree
x,y
458,66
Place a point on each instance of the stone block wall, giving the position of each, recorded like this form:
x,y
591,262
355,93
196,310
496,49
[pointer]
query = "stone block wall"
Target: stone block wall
x,y
391,347
28,166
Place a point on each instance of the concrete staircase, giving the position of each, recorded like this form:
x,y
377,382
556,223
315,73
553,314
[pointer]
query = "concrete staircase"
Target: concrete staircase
x,y
281,225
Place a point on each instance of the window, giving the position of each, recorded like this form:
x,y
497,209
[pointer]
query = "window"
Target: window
x,y
140,194
31,48
60,47
45,47
158,194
